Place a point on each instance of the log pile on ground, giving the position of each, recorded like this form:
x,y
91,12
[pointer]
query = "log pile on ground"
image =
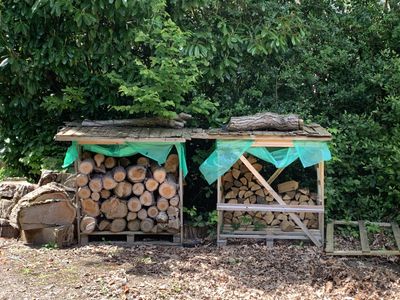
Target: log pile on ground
x,y
241,187
119,194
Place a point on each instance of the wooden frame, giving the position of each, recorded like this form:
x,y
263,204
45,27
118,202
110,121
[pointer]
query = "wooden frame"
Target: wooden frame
x,y
365,248
316,236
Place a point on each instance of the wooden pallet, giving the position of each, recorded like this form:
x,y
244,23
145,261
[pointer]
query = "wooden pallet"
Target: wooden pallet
x,y
131,237
365,248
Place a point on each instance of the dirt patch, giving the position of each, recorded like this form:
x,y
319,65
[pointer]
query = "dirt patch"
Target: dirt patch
x,y
101,271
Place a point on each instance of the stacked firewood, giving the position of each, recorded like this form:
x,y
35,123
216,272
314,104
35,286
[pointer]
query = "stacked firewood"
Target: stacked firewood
x,y
121,194
241,187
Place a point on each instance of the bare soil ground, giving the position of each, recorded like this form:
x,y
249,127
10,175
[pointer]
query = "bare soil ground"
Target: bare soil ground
x,y
110,271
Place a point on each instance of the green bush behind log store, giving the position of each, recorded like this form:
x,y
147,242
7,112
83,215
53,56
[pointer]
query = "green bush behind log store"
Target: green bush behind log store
x,y
333,62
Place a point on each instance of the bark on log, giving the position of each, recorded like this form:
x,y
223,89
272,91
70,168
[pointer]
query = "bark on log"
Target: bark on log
x,y
86,166
159,174
110,162
114,208
108,181
265,121
136,173
96,184
147,225
118,225
99,159
90,207
147,198
168,188
162,204
119,174
134,204
81,180
88,224
138,188
151,184
134,225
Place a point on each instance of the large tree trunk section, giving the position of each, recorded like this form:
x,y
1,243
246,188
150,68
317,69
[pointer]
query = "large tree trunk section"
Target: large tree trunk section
x,y
118,225
152,212
88,224
162,204
110,162
114,208
104,225
99,159
151,184
81,180
147,225
84,192
96,184
123,189
90,207
138,188
264,121
61,236
86,166
119,174
159,174
172,163
108,181
147,198
136,173
134,225
168,188
134,204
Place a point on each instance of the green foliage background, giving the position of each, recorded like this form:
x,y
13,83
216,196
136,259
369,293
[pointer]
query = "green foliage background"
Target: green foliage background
x,y
333,62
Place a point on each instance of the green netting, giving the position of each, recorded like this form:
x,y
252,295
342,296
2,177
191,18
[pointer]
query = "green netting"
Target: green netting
x,y
156,151
226,153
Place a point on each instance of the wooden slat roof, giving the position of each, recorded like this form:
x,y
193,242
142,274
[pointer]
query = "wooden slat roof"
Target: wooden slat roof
x,y
118,135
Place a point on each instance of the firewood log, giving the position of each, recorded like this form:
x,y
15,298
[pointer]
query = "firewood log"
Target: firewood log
x,y
134,204
134,225
84,192
287,226
86,155
172,211
288,186
118,225
174,224
159,174
174,201
142,214
162,226
152,211
88,224
124,162
95,196
136,173
104,194
265,120
123,189
143,161
275,222
90,207
96,183
138,188
100,170
147,198
227,177
114,208
86,166
131,216
110,162
151,184
172,163
108,181
81,180
104,225
147,225
168,188
119,173
162,217
235,173
99,159
162,204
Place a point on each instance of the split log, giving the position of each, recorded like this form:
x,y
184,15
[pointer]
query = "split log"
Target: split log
x,y
81,180
174,201
168,188
123,189
138,188
287,186
147,198
105,194
124,162
134,204
143,161
159,174
151,184
131,216
104,225
147,225
174,224
162,217
119,174
162,204
136,173
287,226
152,211
88,224
99,159
172,163
114,208
96,183
110,162
86,166
118,225
264,121
84,192
134,225
108,181
90,207
235,173
142,214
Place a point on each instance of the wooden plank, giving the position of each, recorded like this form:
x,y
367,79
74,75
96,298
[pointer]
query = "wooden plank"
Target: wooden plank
x,y
360,253
273,144
396,233
363,237
275,175
329,237
127,233
274,208
278,198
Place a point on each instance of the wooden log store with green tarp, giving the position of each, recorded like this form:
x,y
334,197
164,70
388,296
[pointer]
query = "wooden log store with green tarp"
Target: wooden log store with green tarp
x,y
231,157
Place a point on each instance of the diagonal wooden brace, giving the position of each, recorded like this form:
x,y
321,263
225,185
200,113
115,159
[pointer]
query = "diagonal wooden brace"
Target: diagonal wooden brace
x,y
278,198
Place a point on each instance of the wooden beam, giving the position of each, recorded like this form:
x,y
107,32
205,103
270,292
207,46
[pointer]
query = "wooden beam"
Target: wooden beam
x,y
219,213
275,175
274,208
321,197
181,202
277,143
363,237
278,198
329,237
396,233
360,253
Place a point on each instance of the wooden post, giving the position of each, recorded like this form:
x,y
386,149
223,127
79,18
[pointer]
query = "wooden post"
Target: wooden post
x,y
181,201
77,201
321,196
